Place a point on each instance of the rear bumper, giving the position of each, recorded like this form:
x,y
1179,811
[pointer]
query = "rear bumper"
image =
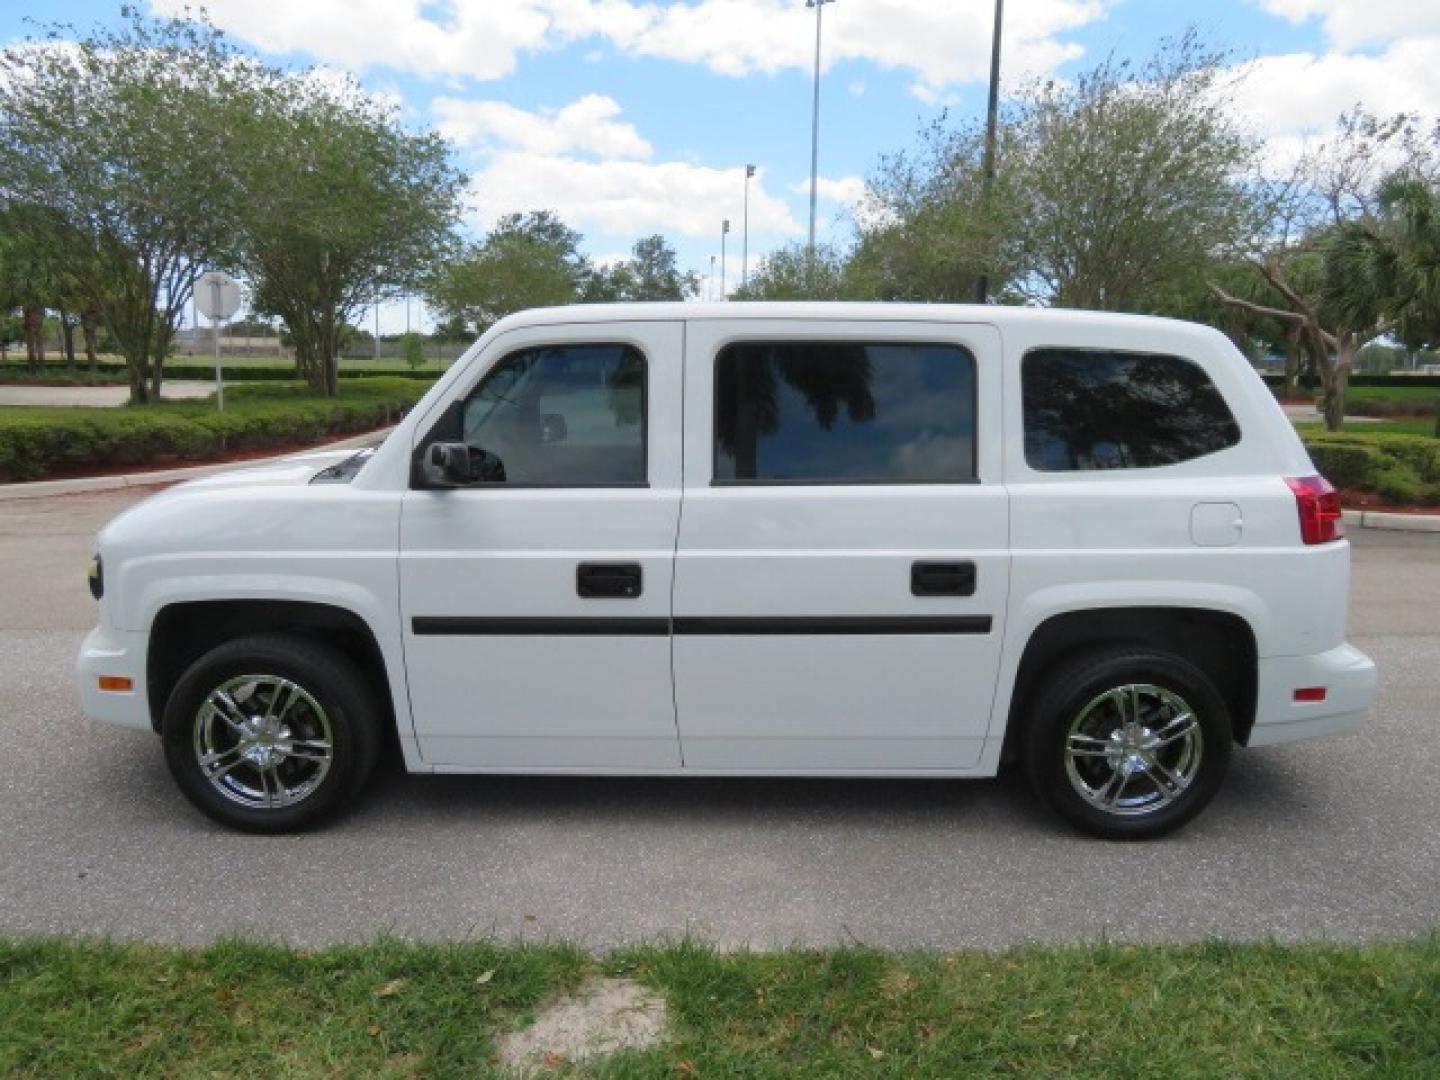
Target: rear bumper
x,y
113,653
1349,679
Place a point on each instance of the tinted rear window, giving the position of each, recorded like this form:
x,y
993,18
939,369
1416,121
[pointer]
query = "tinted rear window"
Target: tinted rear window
x,y
1094,409
844,412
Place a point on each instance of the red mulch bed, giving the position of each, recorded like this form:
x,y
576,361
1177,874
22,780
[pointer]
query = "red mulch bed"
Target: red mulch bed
x,y
1369,500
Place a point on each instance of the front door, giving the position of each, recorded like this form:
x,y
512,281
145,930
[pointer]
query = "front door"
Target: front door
x,y
536,602
842,570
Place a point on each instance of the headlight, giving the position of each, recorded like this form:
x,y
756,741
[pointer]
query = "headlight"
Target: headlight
x,y
95,572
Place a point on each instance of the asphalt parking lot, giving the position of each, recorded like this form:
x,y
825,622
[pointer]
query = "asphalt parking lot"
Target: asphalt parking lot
x,y
1334,839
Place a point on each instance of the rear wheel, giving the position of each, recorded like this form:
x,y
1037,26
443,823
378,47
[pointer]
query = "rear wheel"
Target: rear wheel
x,y
1128,743
271,733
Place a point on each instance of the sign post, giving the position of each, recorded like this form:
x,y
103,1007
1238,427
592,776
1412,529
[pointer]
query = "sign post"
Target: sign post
x,y
217,296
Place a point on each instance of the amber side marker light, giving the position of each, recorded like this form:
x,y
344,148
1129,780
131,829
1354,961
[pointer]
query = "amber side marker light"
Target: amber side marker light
x,y
116,682
1310,693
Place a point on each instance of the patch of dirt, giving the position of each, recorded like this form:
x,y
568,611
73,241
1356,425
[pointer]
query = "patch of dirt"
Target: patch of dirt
x,y
603,1016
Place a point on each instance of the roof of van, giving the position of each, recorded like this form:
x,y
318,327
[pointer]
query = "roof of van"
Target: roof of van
x,y
996,314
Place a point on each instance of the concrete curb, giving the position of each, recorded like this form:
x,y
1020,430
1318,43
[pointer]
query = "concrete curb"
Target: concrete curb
x,y
1382,519
38,489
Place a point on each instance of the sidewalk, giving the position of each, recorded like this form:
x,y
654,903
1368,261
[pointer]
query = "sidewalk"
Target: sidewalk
x,y
37,489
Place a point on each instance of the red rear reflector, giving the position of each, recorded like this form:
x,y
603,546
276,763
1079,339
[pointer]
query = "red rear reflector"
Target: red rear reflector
x,y
116,682
1319,506
1310,693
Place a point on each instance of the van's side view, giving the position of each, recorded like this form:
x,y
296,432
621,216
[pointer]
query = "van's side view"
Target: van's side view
x,y
751,539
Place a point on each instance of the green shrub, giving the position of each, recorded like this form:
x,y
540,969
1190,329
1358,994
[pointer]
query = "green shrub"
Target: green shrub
x,y
36,442
1400,468
1345,465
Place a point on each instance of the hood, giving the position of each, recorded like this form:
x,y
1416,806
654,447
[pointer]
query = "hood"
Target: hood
x,y
286,471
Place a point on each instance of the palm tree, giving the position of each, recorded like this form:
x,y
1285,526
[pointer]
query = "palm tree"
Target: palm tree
x,y
1392,263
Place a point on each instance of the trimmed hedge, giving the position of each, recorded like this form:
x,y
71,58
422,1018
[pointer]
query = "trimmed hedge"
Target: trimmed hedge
x,y
1432,382
35,442
1399,468
111,374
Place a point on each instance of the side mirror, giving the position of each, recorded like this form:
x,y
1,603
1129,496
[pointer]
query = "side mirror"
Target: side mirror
x,y
553,428
446,465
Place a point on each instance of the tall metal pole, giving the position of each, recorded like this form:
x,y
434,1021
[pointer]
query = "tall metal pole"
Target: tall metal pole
x,y
219,378
377,331
819,6
992,119
745,231
724,229
710,285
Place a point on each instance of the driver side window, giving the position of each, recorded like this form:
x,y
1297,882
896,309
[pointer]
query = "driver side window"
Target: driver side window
x,y
561,416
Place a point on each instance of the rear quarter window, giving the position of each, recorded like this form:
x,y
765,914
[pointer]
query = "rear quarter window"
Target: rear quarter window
x,y
1090,409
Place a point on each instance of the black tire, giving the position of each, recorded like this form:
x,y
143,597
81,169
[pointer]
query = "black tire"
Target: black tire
x,y
1135,763
347,719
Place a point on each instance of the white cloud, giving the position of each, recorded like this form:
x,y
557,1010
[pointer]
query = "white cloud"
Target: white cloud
x,y
1349,23
846,190
588,125
1289,98
626,198
942,42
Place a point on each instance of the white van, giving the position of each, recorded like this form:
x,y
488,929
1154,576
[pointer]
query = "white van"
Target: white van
x,y
755,539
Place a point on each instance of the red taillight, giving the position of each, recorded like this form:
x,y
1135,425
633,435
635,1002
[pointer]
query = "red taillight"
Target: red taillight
x,y
1319,506
1311,693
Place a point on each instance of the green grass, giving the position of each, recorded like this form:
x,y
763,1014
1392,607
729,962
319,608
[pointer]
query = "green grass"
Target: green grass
x,y
1393,393
1420,426
71,1008
36,442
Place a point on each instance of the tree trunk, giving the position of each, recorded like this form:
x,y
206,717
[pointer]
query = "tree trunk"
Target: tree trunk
x,y
34,318
1293,355
139,395
89,329
1335,375
67,336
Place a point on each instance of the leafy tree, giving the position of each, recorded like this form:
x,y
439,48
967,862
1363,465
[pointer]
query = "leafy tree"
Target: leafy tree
x,y
1126,177
1334,188
790,273
932,227
528,260
412,348
1110,189
343,208
651,273
128,137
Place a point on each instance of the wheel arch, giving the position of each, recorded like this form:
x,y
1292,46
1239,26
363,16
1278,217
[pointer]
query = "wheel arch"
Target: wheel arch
x,y
1221,643
183,631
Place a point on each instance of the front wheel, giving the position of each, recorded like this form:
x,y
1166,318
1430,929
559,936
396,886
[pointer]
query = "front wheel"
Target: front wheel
x,y
1128,743
271,733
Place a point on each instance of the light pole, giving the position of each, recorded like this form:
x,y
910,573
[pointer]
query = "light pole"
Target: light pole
x,y
724,228
745,231
819,6
992,116
711,288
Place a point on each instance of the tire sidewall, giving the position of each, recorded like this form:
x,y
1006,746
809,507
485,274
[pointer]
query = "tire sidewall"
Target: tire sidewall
x,y
322,672
1073,685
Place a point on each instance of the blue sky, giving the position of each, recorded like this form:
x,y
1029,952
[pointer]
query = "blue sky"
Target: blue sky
x,y
634,116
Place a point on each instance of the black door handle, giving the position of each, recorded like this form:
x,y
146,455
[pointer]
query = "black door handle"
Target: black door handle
x,y
614,580
942,578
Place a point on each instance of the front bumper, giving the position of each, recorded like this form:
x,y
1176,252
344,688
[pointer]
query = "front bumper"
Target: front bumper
x,y
1349,679
114,654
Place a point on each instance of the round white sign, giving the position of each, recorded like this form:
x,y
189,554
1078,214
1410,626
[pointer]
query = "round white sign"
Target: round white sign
x,y
217,296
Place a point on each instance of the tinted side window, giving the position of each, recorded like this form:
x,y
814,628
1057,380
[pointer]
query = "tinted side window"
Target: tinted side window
x,y
562,416
1092,409
844,412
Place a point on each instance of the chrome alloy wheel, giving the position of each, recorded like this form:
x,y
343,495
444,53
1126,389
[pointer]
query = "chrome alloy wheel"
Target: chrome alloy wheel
x,y
263,741
1133,749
